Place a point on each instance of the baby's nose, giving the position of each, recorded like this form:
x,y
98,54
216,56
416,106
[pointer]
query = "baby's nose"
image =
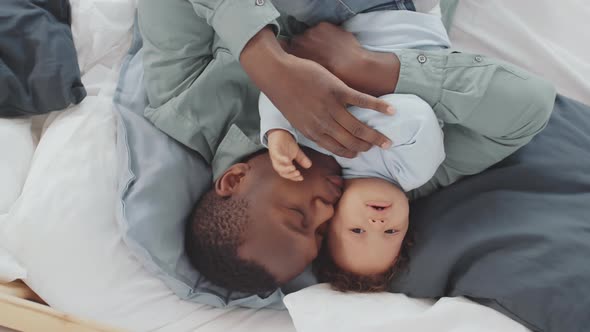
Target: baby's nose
x,y
377,222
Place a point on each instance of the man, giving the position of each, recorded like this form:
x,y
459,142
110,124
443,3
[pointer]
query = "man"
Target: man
x,y
204,62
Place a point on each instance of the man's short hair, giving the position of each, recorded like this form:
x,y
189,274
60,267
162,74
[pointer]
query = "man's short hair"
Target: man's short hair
x,y
213,235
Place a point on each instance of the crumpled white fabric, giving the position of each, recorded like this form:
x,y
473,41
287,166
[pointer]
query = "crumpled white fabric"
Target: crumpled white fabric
x,y
319,309
542,36
101,31
102,35
16,152
10,269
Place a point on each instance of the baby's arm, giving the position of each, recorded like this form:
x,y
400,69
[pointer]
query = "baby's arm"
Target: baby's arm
x,y
271,118
277,134
283,149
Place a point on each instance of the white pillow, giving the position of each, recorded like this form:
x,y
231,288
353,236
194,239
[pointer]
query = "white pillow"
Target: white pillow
x,y
62,229
16,151
319,309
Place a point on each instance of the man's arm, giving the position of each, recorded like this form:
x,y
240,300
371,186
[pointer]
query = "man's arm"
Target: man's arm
x,y
490,108
237,21
339,51
311,97
180,45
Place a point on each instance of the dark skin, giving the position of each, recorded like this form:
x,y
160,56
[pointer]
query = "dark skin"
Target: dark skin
x,y
313,99
337,50
288,218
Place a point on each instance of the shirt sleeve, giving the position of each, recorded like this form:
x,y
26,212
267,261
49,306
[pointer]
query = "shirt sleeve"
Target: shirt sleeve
x,y
271,118
237,21
490,108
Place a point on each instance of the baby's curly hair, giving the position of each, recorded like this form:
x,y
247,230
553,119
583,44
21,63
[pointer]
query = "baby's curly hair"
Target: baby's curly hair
x,y
342,280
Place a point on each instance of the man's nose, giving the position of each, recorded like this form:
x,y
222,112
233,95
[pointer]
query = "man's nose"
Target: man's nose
x,y
322,211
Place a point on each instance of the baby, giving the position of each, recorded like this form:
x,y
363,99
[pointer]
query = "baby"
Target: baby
x,y
366,235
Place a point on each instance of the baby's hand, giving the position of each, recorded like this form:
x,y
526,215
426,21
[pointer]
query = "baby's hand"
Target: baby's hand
x,y
283,149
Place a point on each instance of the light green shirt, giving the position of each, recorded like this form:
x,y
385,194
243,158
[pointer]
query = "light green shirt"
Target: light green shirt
x,y
200,95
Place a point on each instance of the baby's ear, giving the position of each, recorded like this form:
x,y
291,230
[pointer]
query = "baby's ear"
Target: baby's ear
x,y
229,183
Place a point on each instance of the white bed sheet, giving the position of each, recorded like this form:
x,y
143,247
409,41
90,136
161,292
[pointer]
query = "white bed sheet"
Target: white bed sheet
x,y
546,37
102,33
10,269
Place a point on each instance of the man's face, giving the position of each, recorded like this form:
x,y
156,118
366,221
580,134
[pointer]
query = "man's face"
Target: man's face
x,y
288,218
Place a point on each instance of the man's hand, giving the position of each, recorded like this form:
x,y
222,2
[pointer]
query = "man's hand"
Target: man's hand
x,y
338,50
311,98
283,150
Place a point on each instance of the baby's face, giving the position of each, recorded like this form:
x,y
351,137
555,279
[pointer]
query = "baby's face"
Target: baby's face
x,y
368,227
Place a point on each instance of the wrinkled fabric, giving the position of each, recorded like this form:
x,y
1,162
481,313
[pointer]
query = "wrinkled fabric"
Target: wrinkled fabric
x,y
516,237
39,70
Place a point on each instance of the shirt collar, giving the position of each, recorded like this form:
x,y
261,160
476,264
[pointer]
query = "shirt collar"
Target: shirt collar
x,y
234,147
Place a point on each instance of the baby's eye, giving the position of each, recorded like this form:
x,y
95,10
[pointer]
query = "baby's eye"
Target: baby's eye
x,y
390,231
357,230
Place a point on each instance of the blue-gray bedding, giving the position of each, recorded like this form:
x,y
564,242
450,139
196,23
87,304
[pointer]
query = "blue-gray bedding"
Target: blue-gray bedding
x,y
159,180
39,70
516,237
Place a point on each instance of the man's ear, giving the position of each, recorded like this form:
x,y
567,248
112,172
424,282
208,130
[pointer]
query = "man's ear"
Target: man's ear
x,y
228,183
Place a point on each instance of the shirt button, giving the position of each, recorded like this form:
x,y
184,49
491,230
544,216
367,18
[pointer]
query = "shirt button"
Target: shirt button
x,y
422,58
259,2
478,59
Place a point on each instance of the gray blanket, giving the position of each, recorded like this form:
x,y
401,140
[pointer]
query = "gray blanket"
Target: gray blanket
x,y
516,237
39,69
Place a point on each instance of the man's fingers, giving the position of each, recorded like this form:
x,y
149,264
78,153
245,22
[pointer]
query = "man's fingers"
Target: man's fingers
x,y
302,159
363,100
354,134
285,45
360,130
330,144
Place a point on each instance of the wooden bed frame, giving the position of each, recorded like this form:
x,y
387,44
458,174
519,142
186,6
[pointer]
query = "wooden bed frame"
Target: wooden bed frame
x,y
23,310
